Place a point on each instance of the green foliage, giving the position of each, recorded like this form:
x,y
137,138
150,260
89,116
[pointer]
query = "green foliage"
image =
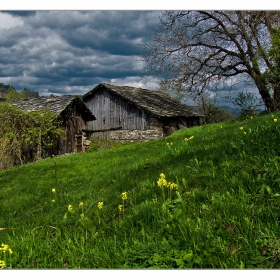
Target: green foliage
x,y
8,93
97,144
25,93
12,94
25,135
211,112
273,55
272,75
247,102
204,197
177,92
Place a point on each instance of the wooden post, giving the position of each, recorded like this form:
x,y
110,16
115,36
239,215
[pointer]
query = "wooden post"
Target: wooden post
x,y
39,148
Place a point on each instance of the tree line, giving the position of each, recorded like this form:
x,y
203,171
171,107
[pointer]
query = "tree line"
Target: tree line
x,y
8,93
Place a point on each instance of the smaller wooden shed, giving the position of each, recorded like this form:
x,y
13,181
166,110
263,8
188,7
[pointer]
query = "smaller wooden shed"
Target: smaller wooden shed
x,y
126,113
71,112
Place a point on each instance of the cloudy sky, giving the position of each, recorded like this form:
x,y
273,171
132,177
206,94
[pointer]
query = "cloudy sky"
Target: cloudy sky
x,y
69,52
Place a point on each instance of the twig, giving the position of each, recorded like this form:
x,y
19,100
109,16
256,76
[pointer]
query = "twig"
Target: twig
x,y
91,205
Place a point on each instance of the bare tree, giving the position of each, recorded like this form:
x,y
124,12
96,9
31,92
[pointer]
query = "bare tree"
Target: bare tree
x,y
200,50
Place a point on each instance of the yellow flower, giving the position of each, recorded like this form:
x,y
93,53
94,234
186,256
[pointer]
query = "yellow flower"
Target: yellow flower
x,y
241,127
53,190
173,186
2,264
120,208
10,251
187,139
275,120
82,215
81,204
124,195
100,205
162,176
4,248
162,182
53,201
70,208
245,132
251,117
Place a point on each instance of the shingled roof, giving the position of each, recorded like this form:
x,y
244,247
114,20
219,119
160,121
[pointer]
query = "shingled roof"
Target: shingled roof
x,y
156,102
56,104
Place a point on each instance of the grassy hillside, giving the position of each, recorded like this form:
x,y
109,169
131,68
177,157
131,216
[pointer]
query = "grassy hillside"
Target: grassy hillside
x,y
204,197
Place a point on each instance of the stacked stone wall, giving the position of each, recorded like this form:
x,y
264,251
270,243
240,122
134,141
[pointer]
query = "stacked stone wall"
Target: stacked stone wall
x,y
136,135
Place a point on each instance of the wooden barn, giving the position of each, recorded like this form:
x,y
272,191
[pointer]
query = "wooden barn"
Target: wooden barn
x,y
126,113
70,111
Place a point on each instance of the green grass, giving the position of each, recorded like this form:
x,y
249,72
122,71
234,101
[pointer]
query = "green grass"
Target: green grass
x,y
224,214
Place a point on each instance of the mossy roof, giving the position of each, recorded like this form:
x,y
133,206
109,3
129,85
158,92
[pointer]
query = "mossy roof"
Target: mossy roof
x,y
156,102
56,104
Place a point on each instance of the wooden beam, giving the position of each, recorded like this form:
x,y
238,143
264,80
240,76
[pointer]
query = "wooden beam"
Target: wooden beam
x,y
102,130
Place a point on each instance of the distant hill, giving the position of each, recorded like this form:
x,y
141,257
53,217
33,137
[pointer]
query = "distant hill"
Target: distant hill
x,y
234,111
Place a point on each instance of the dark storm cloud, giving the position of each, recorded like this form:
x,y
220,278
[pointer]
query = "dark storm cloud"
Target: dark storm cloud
x,y
68,52
21,13
114,32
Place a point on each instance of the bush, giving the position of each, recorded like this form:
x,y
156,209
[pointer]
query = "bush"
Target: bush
x,y
25,135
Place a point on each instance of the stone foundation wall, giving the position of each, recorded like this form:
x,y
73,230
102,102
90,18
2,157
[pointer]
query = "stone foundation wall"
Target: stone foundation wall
x,y
136,135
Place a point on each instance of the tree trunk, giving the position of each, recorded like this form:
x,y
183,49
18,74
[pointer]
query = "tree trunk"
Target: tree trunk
x,y
276,97
263,91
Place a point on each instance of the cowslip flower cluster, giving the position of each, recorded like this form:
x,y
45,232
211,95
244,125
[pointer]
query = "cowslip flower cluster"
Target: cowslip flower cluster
x,y
70,208
53,191
172,186
81,205
2,264
124,196
241,127
187,139
275,120
163,183
5,248
100,205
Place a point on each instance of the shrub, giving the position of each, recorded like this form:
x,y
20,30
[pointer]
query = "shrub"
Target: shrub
x,y
25,135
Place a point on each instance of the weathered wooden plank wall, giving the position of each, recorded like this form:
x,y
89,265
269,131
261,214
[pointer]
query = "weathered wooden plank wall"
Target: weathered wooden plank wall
x,y
112,111
72,142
